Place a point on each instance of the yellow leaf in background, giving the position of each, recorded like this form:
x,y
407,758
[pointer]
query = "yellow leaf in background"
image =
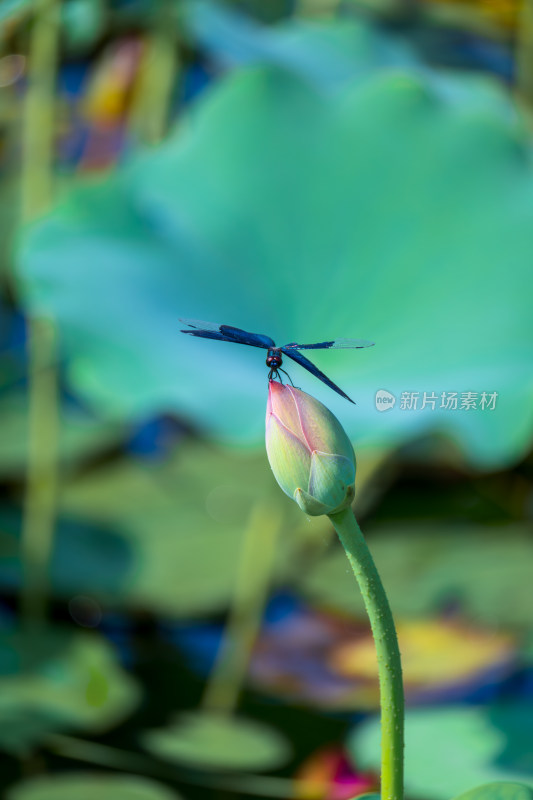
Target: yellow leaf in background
x,y
434,652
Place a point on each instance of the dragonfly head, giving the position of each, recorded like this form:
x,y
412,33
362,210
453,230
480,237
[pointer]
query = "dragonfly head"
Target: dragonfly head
x,y
273,359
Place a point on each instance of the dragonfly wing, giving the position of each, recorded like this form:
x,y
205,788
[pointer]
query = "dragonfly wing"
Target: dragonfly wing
x,y
210,335
334,344
226,333
310,367
201,325
253,339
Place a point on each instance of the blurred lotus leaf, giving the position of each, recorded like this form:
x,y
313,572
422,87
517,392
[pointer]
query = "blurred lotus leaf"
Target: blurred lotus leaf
x,y
55,681
329,661
183,521
485,572
370,796
91,785
83,23
328,53
291,660
86,557
81,436
469,738
499,791
11,9
384,211
218,741
516,720
440,659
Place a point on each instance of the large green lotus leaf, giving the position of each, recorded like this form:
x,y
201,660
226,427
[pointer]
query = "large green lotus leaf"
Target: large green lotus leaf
x,y
217,741
327,53
424,568
184,522
88,785
499,791
55,681
468,738
383,211
81,436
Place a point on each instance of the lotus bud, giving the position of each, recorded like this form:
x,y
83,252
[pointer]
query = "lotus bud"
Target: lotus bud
x,y
309,452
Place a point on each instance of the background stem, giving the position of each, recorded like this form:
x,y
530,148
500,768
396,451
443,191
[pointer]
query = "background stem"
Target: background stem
x,y
254,573
158,76
524,53
388,652
39,110
37,176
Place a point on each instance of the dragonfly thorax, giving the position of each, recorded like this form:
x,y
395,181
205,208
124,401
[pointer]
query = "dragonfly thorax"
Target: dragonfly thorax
x,y
273,359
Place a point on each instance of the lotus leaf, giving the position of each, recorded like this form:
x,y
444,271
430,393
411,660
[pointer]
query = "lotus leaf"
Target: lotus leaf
x,y
88,785
470,738
386,210
216,741
55,681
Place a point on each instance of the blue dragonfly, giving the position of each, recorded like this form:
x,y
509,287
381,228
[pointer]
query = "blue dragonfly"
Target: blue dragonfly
x,y
274,359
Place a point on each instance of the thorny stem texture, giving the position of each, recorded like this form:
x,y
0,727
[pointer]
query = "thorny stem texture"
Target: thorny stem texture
x,y
388,652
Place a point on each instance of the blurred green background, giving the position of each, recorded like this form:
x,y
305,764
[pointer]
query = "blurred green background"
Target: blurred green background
x,y
172,626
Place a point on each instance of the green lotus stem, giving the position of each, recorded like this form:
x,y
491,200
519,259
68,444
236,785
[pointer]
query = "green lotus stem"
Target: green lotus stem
x,y
388,652
37,176
39,109
313,461
524,53
158,74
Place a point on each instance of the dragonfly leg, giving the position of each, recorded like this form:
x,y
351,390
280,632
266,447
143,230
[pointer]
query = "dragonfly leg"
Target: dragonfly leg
x,y
288,376
274,375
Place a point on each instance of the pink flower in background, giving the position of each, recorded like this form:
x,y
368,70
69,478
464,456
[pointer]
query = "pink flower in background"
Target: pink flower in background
x,y
328,775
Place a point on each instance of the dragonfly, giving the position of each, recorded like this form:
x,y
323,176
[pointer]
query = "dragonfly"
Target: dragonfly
x,y
274,358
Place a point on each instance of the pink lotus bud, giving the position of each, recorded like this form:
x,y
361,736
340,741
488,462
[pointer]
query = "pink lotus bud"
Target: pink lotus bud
x,y
309,452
